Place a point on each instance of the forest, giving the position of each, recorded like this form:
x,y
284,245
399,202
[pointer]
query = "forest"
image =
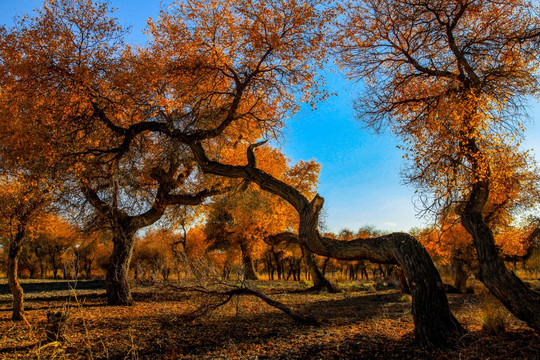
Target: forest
x,y
147,210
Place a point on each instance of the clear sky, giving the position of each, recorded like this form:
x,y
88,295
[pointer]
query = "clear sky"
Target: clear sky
x,y
360,178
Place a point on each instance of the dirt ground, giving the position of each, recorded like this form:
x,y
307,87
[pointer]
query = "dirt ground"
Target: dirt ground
x,y
360,322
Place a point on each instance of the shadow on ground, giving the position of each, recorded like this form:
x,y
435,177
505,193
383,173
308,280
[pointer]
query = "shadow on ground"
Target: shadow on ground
x,y
47,286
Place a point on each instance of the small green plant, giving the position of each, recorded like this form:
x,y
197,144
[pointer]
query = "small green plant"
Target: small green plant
x,y
305,283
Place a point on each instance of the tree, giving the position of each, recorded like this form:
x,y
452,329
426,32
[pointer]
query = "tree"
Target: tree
x,y
22,200
450,77
225,229
57,238
153,254
90,249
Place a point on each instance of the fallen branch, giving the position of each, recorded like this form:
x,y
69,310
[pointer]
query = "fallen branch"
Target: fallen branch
x,y
229,294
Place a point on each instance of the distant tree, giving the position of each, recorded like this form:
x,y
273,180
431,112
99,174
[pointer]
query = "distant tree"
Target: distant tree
x,y
225,230
56,238
251,216
91,248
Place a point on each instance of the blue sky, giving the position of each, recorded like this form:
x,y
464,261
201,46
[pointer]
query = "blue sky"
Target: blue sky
x,y
360,178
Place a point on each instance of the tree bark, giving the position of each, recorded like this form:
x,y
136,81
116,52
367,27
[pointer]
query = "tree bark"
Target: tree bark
x,y
117,284
521,301
15,248
434,323
320,283
247,261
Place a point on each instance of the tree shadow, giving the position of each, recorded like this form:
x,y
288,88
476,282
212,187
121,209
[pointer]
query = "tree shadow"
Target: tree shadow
x,y
50,286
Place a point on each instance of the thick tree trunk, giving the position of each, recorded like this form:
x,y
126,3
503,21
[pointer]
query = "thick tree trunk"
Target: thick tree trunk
x,y
320,283
521,301
247,261
125,226
117,285
15,248
434,323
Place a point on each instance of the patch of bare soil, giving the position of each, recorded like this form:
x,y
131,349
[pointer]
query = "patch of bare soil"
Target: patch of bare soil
x,y
354,324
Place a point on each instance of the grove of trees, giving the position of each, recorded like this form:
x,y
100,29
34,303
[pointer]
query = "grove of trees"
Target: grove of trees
x,y
118,138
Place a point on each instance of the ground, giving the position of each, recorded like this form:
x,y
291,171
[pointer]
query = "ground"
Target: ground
x,y
360,322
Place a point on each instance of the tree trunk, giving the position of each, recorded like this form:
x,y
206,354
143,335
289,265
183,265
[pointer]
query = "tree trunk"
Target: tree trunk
x,y
117,285
41,270
247,261
521,301
320,283
15,248
460,274
279,265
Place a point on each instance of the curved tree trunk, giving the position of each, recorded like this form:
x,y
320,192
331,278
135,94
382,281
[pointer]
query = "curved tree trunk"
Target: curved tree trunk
x,y
15,248
521,301
320,283
247,261
434,323
117,285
